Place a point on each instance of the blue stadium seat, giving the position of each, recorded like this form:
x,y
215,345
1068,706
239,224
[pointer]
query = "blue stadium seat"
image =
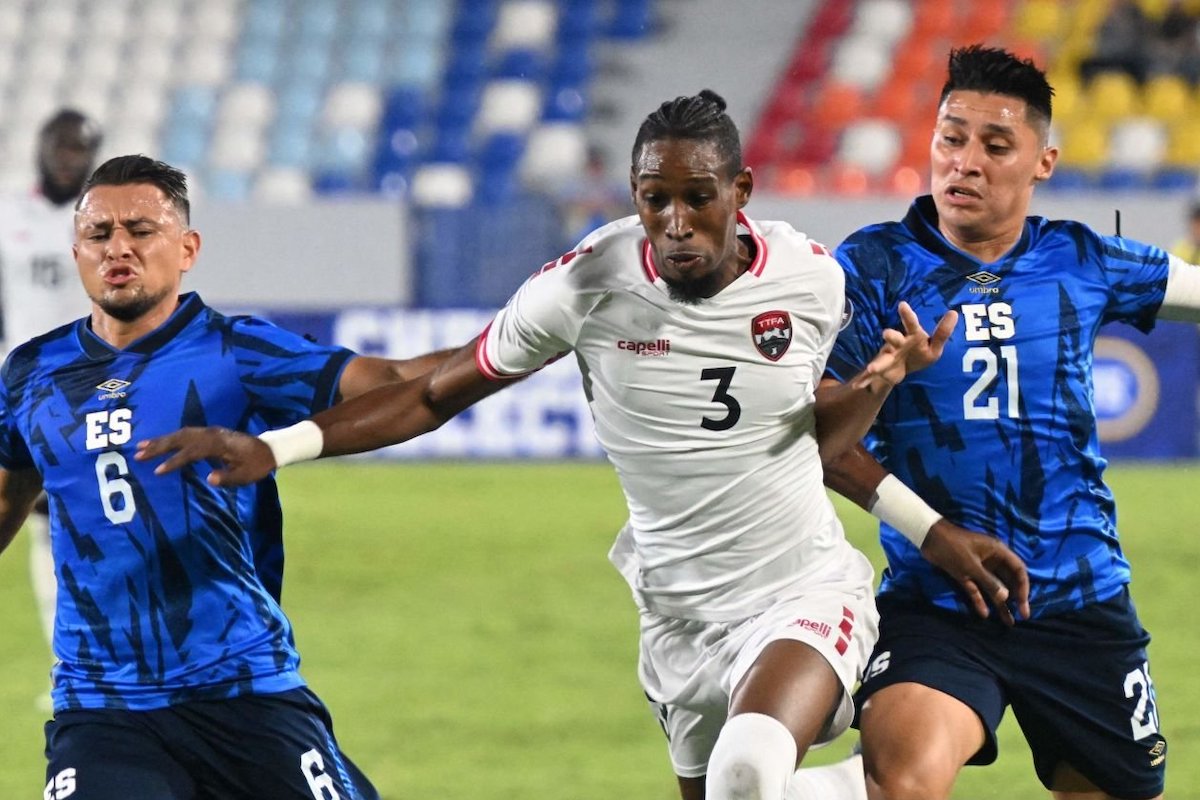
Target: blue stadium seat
x,y
307,60
572,68
362,60
1068,179
415,61
632,19
427,18
564,104
1116,179
194,105
526,64
501,151
1173,179
343,150
318,20
496,187
457,107
468,67
228,185
257,60
185,143
299,103
332,183
291,146
371,19
451,145
403,107
265,19
473,23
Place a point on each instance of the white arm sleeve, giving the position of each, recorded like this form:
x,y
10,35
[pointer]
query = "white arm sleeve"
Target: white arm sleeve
x,y
1182,299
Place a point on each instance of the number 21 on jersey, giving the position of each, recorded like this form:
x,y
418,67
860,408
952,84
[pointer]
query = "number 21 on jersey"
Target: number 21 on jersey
x,y
989,323
106,428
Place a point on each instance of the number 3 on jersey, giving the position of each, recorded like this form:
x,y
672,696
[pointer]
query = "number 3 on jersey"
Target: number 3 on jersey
x,y
733,409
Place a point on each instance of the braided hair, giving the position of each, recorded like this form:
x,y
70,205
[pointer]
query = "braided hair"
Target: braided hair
x,y
700,117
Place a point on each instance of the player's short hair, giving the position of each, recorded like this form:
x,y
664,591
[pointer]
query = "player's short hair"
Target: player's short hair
x,y
991,70
124,170
701,117
88,127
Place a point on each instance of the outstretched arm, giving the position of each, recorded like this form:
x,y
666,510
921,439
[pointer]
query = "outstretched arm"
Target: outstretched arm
x,y
845,411
18,491
980,564
388,414
364,373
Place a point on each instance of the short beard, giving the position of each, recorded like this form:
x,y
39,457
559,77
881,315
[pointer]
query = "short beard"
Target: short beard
x,y
132,307
685,293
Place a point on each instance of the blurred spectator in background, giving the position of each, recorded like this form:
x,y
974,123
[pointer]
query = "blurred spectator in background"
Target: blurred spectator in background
x,y
595,198
1188,247
39,290
1176,46
1121,42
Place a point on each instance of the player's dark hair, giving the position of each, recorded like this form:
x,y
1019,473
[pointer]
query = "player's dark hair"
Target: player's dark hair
x,y
991,70
71,117
701,117
124,170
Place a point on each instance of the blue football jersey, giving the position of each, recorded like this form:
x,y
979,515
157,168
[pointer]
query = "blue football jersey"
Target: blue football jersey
x,y
168,588
1000,434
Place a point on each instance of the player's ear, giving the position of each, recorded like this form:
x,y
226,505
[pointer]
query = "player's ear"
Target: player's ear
x,y
1045,165
191,248
743,186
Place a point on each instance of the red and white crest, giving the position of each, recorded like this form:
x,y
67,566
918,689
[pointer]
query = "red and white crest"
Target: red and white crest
x,y
772,333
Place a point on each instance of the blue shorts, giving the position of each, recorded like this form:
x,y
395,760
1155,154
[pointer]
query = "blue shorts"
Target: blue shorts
x,y
253,746
1078,683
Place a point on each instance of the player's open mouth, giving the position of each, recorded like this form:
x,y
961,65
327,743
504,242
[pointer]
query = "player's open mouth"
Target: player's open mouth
x,y
962,192
118,276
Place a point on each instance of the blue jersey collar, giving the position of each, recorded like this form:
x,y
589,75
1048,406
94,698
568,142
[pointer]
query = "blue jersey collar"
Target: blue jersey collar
x,y
189,306
922,221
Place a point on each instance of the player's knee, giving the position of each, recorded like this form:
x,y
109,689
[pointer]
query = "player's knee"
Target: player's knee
x,y
752,760
904,782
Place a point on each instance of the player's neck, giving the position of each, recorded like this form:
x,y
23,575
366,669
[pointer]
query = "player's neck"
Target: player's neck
x,y
120,333
988,248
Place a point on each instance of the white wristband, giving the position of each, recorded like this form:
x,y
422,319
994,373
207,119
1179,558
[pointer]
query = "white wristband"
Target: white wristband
x,y
899,506
300,442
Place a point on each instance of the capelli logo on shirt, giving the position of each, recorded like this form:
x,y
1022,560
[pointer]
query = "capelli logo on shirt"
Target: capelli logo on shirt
x,y
111,389
659,347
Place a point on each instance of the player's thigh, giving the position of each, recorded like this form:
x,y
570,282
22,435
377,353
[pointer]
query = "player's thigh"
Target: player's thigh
x,y
278,745
800,660
1082,693
106,755
917,736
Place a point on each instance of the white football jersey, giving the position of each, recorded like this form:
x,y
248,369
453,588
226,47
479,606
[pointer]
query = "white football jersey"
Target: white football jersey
x,y
705,410
39,285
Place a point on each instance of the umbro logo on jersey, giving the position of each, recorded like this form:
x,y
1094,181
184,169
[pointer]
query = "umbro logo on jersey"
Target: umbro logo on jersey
x,y
985,280
111,388
772,333
659,347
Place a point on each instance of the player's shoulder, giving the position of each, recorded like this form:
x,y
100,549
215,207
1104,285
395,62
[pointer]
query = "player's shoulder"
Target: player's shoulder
x,y
787,251
606,257
42,352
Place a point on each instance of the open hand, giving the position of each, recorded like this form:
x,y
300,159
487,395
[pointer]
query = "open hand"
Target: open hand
x,y
984,568
912,350
243,458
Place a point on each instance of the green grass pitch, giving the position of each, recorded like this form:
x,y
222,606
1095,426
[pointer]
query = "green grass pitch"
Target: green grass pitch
x,y
464,626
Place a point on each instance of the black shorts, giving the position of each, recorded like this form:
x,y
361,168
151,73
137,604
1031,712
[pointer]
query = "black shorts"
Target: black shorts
x,y
1078,683
254,746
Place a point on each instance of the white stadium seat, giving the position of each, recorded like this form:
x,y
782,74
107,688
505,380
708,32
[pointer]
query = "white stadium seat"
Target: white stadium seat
x,y
352,105
555,155
283,186
873,145
237,148
1138,143
442,186
249,104
862,62
526,24
508,105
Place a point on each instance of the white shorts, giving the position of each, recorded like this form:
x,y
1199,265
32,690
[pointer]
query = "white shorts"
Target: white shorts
x,y
689,669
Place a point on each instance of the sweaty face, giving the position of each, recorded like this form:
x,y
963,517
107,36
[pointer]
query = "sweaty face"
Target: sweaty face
x,y
132,249
986,158
688,206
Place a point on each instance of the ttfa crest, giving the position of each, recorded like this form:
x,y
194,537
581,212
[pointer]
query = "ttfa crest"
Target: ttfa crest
x,y
772,333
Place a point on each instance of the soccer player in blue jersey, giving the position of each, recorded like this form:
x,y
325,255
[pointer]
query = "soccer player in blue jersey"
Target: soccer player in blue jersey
x,y
1000,436
177,673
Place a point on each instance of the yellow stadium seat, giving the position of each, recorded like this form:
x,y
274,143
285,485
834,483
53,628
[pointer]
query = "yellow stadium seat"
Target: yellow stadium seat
x,y
1068,96
1111,95
1039,19
1084,144
1183,146
1167,97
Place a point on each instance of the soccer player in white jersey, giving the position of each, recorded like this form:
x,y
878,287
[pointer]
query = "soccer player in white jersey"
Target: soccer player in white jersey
x,y
702,336
39,290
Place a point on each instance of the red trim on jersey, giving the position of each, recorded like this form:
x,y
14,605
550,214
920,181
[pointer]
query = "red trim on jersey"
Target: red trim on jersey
x,y
648,261
818,248
841,646
488,370
760,246
482,362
